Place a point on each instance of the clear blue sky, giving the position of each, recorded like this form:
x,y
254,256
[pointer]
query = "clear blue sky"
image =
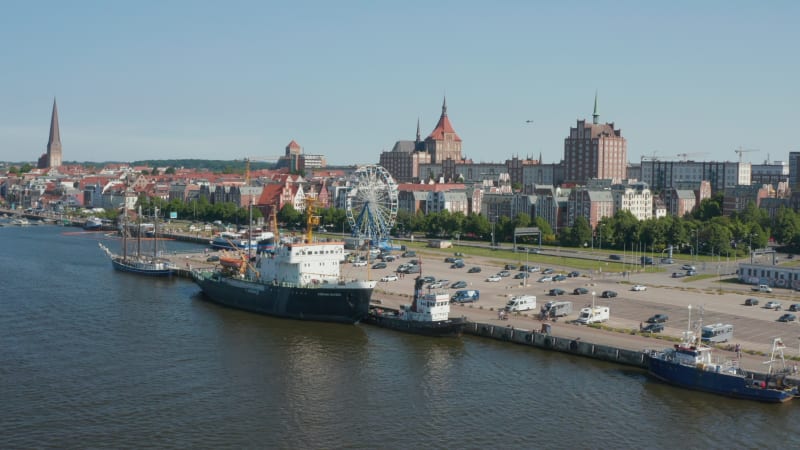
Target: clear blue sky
x,y
235,79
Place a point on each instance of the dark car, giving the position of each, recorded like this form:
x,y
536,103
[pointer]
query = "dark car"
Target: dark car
x,y
458,285
474,270
615,257
458,265
449,259
521,275
689,273
547,271
574,274
751,302
678,274
608,294
510,267
787,318
653,328
667,261
380,265
794,307
409,254
389,258
559,277
428,279
658,318
557,291
580,291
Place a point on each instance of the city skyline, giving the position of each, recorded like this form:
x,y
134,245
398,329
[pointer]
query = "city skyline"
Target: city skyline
x,y
189,80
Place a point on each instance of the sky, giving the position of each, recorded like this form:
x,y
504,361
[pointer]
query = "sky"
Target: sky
x,y
347,79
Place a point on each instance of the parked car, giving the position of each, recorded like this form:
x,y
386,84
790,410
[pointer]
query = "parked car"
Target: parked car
x,y
504,273
457,265
409,254
751,302
687,267
534,269
360,263
794,307
380,265
639,287
608,294
510,267
458,285
678,274
615,257
658,318
557,291
653,328
667,261
772,305
494,279
689,273
545,279
548,271
574,274
389,278
559,277
449,259
787,318
435,285
474,270
580,291
521,275
428,279
389,258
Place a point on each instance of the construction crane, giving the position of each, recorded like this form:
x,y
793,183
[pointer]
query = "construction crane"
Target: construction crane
x,y
686,155
652,157
247,160
741,150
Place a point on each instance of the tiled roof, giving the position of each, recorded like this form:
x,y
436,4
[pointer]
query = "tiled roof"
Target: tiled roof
x,y
444,126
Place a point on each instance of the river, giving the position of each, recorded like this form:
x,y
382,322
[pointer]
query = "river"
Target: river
x,y
91,357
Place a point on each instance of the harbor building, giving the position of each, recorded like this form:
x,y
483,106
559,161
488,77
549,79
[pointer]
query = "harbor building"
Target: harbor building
x,y
667,174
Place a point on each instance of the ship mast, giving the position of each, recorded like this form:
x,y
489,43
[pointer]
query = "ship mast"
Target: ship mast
x,y
311,219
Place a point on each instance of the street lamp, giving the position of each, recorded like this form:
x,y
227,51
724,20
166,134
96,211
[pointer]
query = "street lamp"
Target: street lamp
x,y
593,294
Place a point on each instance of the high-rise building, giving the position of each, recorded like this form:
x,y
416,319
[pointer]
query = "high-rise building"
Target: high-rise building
x,y
594,151
53,156
794,170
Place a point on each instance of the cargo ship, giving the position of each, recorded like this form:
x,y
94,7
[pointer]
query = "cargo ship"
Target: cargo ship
x,y
428,314
690,365
297,280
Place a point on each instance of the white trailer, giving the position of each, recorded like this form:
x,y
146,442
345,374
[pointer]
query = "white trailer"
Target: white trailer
x,y
594,315
521,303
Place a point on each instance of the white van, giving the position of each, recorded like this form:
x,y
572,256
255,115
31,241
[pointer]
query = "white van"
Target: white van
x,y
594,315
521,303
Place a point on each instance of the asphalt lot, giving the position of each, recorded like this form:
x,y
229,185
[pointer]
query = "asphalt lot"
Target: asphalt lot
x,y
714,300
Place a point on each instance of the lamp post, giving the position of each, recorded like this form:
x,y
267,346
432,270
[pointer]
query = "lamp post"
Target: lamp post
x,y
697,244
593,294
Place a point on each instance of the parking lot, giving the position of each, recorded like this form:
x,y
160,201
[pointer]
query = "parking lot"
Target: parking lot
x,y
712,299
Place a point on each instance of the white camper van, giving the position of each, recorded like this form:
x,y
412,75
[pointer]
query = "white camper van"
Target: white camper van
x,y
594,315
521,303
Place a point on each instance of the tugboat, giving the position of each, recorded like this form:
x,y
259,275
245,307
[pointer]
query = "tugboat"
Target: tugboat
x,y
689,365
428,315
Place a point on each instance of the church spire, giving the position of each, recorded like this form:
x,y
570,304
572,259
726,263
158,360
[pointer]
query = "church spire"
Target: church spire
x,y
595,115
444,107
419,137
55,135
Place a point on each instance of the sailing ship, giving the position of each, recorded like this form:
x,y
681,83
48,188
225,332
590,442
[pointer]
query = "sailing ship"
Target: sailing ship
x,y
139,262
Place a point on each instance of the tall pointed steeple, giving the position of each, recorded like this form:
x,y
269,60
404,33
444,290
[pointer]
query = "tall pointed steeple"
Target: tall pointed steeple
x,y
444,107
419,136
54,142
595,115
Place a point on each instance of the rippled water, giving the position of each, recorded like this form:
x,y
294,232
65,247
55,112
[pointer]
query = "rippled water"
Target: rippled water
x,y
90,357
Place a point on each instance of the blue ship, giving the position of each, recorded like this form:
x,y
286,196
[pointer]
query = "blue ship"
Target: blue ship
x,y
690,366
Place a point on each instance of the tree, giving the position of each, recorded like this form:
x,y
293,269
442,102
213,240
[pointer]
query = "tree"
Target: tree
x,y
786,225
289,216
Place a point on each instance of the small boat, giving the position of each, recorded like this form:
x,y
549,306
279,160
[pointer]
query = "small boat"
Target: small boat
x,y
93,224
139,263
428,315
690,365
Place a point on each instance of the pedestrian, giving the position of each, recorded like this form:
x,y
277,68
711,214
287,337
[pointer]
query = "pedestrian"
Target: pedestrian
x,y
641,326
738,350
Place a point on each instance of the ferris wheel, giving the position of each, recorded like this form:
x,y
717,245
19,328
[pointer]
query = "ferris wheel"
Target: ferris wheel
x,y
372,203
